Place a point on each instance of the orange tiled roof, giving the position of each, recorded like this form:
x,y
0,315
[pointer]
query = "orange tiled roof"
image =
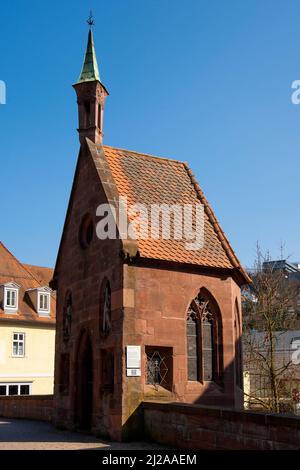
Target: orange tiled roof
x,y
154,180
41,273
28,277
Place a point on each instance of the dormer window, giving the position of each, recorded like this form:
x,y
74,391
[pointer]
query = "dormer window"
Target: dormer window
x,y
11,300
43,302
9,295
40,298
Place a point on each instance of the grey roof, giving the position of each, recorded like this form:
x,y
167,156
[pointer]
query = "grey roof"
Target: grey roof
x,y
284,339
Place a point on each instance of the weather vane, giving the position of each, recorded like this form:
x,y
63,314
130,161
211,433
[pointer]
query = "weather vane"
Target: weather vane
x,y
90,21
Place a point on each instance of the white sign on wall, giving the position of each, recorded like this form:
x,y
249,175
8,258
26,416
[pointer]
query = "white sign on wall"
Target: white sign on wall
x,y
133,372
133,361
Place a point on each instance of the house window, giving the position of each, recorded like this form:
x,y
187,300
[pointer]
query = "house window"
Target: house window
x,y
43,303
11,299
13,389
24,389
10,389
203,341
18,349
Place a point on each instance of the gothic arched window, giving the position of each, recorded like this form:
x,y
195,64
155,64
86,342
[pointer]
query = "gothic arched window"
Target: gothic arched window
x,y
203,340
67,316
105,309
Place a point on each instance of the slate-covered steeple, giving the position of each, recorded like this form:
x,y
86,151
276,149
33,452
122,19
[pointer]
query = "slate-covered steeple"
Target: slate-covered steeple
x,y
91,95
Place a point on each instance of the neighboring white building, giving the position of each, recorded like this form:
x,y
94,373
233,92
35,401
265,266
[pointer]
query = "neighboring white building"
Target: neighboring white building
x,y
27,328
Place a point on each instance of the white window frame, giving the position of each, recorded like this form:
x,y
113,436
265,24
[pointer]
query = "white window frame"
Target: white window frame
x,y
19,341
13,308
45,311
18,384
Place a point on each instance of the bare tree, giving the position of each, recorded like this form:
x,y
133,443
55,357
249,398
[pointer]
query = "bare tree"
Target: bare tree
x,y
268,313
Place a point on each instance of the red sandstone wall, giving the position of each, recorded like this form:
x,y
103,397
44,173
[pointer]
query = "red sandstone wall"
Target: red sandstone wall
x,y
157,301
149,307
39,407
82,272
197,427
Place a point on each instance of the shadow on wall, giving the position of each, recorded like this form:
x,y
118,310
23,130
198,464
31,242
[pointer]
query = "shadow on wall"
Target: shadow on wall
x,y
134,428
214,397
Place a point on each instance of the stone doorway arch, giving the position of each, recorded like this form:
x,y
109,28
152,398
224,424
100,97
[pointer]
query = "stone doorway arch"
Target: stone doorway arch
x,y
84,382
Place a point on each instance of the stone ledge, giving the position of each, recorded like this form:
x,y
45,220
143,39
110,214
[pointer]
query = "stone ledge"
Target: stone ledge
x,y
226,413
201,427
27,397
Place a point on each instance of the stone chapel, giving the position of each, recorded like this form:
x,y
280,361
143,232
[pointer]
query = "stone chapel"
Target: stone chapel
x,y
139,318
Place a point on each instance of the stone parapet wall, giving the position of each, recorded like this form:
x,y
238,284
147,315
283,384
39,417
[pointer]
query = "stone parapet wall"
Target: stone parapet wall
x,y
197,427
39,407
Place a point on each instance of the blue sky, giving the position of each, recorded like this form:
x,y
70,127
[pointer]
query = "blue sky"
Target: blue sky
x,y
204,82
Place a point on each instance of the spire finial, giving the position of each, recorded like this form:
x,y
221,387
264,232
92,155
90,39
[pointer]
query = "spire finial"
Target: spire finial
x,y
90,70
90,21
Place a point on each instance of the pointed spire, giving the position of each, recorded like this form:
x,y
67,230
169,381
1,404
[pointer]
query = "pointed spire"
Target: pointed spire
x,y
91,94
90,70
